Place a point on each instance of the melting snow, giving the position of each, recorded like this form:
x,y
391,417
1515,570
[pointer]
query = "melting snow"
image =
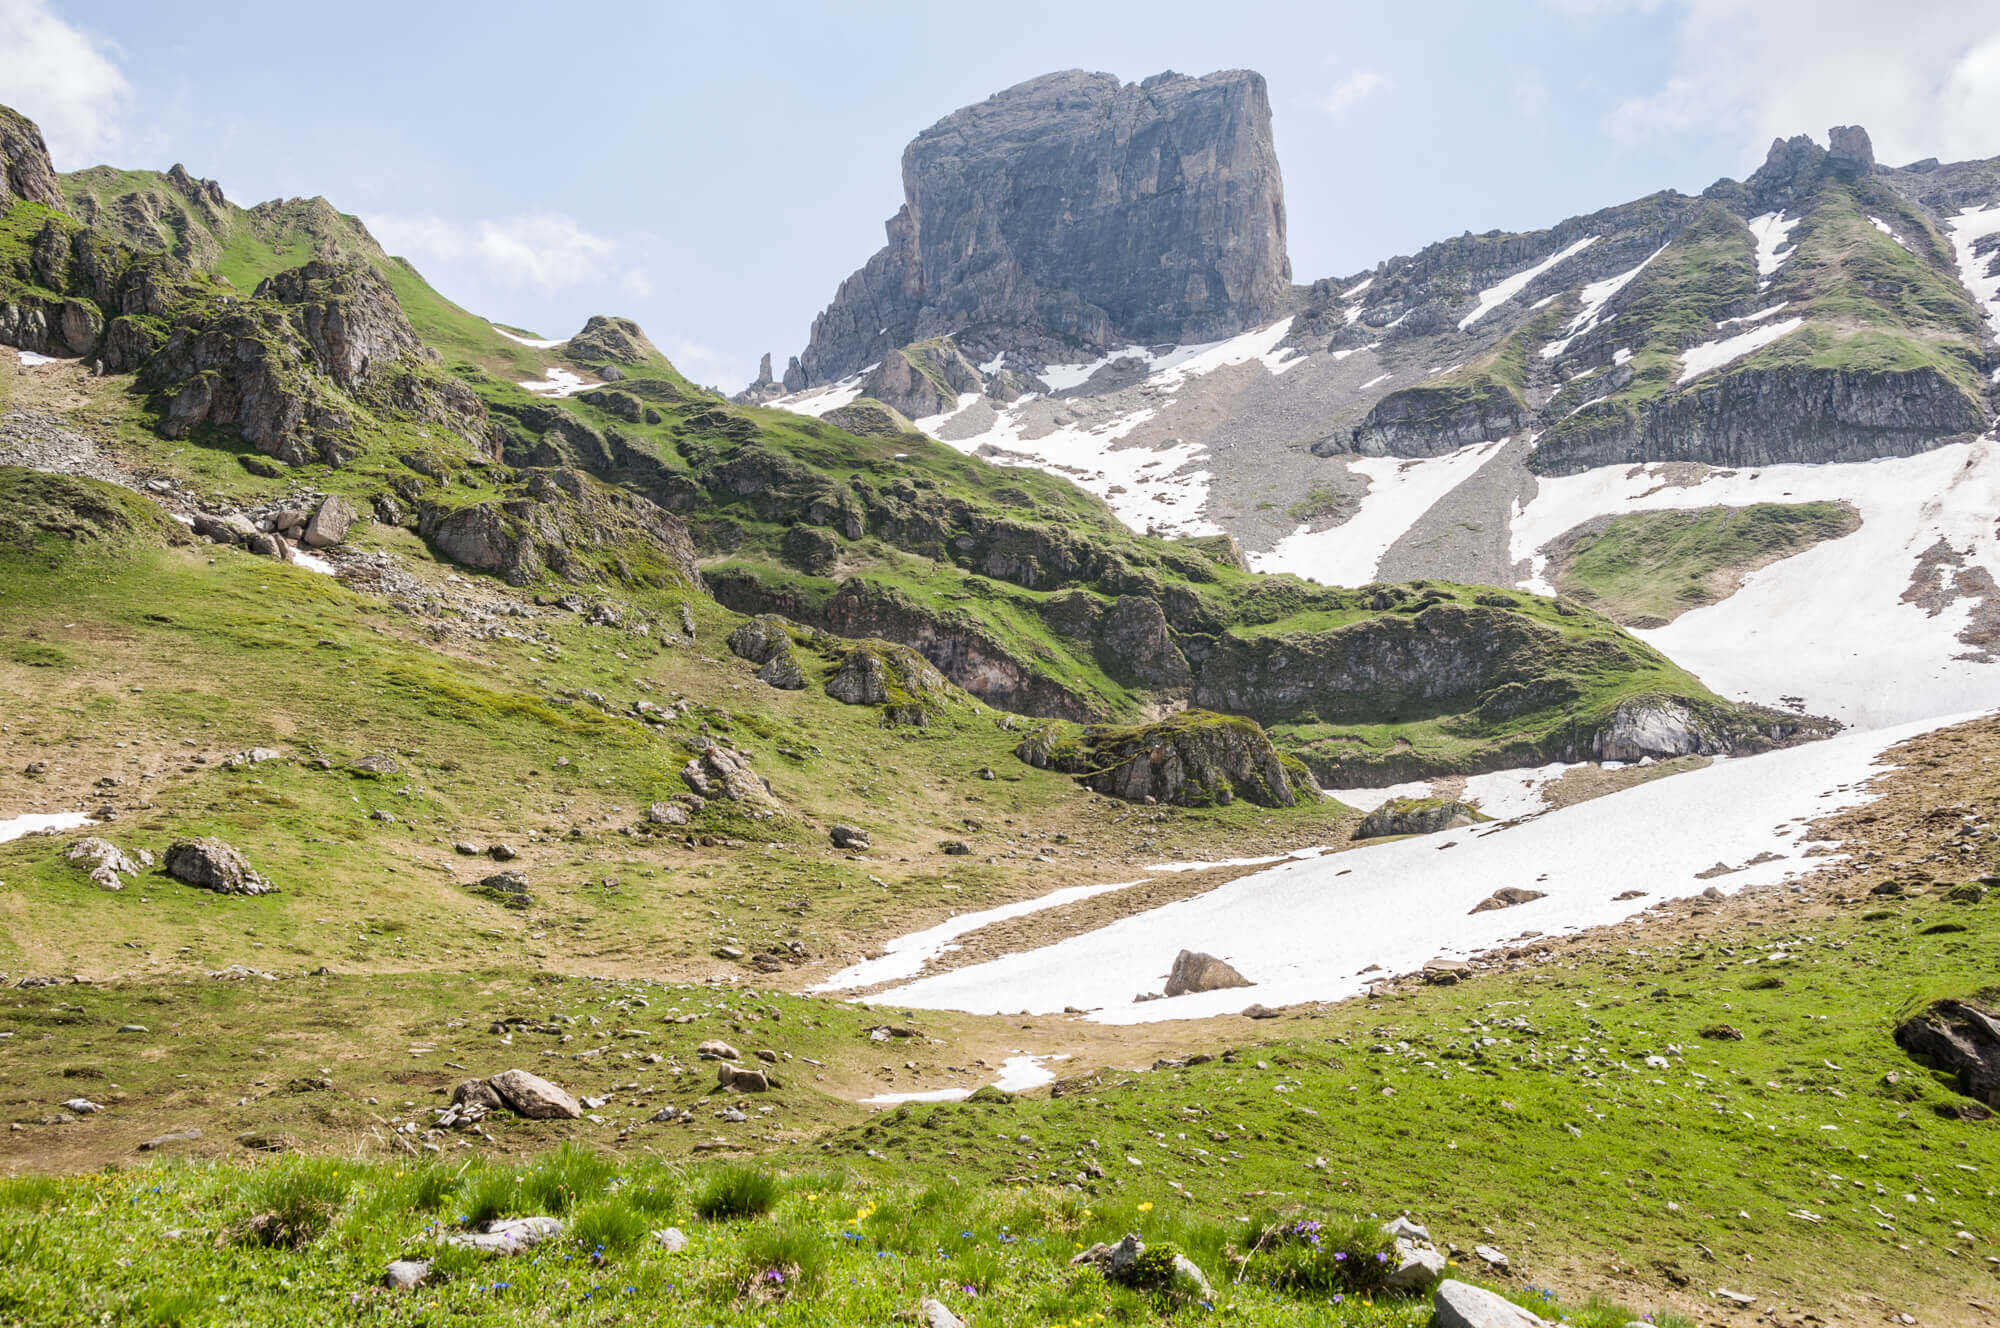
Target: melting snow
x,y
819,400
1595,296
1399,492
1357,288
559,383
1710,355
1864,657
906,956
1391,905
31,359
1757,317
1980,275
1018,1074
35,822
526,341
312,562
1622,354
1502,291
1887,230
1378,378
1771,231
1507,794
1368,799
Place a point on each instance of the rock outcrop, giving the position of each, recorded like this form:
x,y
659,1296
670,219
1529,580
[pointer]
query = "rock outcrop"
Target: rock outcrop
x,y
25,171
1769,416
532,1096
609,340
1192,759
902,682
1414,816
1076,207
565,523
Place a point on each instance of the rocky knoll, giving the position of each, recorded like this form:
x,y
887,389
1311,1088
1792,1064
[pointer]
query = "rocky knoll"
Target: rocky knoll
x,y
1192,759
1077,207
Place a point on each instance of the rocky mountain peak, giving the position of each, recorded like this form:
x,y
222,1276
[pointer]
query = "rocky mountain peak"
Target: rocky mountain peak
x,y
25,170
1849,149
202,193
1078,210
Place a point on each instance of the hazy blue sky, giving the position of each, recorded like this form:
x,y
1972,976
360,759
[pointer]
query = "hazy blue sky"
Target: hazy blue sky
x,y
715,170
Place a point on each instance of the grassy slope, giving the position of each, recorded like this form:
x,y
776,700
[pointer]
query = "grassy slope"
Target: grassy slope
x,y
1809,1163
1648,568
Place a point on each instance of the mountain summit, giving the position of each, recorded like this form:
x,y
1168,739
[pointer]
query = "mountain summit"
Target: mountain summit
x,y
1078,209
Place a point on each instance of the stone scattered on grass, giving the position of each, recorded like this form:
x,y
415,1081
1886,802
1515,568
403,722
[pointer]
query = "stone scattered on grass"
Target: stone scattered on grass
x,y
406,1274
508,1235
102,861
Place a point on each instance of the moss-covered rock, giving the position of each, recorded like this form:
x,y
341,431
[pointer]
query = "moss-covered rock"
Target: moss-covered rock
x,y
909,690
1416,816
1192,759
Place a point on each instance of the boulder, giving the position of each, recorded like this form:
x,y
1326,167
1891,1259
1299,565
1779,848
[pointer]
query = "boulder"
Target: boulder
x,y
667,813
102,860
848,836
723,772
1960,1039
406,1274
717,1051
1414,816
738,1079
476,1093
933,1314
210,864
1508,898
1194,971
533,1097
1418,1262
782,670
1462,1305
510,1235
330,523
760,638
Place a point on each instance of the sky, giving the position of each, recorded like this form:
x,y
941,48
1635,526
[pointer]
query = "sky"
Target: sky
x,y
715,171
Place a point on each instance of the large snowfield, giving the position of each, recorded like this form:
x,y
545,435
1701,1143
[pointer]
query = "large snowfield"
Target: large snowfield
x,y
1348,918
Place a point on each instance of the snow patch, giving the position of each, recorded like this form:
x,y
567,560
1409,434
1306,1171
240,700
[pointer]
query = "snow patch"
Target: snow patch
x,y
1502,291
526,341
1980,276
1771,231
1378,378
30,359
1757,317
34,823
1399,492
1888,230
559,383
312,562
1712,355
1595,296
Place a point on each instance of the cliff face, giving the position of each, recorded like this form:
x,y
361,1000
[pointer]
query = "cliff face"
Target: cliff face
x,y
1076,206
25,171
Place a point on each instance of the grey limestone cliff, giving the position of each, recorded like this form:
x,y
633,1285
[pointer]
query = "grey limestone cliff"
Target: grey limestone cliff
x,y
1076,207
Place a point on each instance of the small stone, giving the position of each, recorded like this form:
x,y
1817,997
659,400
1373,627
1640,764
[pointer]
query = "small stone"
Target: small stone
x,y
502,852
671,1239
1493,1257
406,1274
160,1141
533,1096
717,1051
1462,1305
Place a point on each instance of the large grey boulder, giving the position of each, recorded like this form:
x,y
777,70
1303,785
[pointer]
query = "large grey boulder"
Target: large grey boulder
x,y
1075,206
1194,971
210,864
330,523
533,1096
1462,1305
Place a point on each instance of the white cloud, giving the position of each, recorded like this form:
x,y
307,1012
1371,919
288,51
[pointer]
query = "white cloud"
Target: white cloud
x,y
64,80
1351,91
1922,77
544,250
